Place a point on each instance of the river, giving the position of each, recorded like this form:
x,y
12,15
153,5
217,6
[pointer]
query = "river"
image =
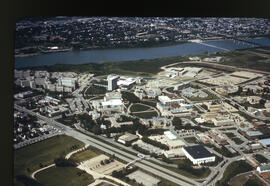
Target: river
x,y
129,54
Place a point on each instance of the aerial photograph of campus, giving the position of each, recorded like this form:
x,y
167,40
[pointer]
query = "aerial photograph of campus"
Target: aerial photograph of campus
x,y
141,101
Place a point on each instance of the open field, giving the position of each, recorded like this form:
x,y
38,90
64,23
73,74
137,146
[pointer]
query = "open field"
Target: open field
x,y
232,170
239,180
31,157
146,115
93,90
68,176
138,108
191,140
254,181
85,155
187,169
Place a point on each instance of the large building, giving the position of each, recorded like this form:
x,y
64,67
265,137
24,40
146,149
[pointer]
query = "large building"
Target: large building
x,y
198,154
127,139
67,82
263,168
265,142
112,81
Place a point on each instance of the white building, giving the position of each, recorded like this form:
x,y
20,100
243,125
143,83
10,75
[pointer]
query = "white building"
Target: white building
x,y
67,82
198,154
263,168
112,81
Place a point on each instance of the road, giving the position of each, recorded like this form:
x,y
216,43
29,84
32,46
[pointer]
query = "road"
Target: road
x,y
144,164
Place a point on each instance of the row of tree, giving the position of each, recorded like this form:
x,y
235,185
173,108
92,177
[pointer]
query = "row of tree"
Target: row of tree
x,y
155,143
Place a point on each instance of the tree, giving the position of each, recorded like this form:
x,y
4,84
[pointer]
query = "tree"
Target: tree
x,y
177,123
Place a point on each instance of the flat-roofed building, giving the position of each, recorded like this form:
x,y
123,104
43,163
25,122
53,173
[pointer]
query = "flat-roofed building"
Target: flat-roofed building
x,y
198,154
213,107
165,100
173,153
263,168
127,138
265,142
223,122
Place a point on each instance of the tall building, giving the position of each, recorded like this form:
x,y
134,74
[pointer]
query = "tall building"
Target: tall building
x,y
112,81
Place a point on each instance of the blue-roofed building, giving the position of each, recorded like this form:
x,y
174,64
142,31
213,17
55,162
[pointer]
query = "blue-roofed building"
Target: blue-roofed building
x,y
265,142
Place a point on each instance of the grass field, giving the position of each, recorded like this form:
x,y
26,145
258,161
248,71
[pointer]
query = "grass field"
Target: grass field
x,y
85,155
146,115
138,108
188,173
69,120
93,90
254,181
68,176
43,152
191,140
261,158
232,170
237,140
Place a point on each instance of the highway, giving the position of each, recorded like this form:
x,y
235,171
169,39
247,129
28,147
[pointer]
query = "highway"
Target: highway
x,y
146,165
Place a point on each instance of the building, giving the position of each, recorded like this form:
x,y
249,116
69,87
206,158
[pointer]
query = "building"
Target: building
x,y
112,82
67,82
165,100
223,122
173,153
126,83
107,106
182,86
251,134
127,139
40,81
265,142
213,106
52,100
263,168
198,154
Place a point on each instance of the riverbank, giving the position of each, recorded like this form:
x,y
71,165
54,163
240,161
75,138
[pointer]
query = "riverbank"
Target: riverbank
x,y
93,48
150,67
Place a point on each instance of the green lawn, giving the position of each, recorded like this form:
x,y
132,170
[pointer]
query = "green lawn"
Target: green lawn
x,y
191,173
43,152
232,170
69,120
191,140
138,108
261,158
146,115
67,176
230,134
254,181
237,140
85,155
93,90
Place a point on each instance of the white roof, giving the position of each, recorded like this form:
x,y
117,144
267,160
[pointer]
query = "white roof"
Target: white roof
x,y
127,81
164,98
199,120
170,135
112,102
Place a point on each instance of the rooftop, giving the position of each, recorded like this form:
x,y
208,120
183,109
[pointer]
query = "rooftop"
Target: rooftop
x,y
265,141
198,151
